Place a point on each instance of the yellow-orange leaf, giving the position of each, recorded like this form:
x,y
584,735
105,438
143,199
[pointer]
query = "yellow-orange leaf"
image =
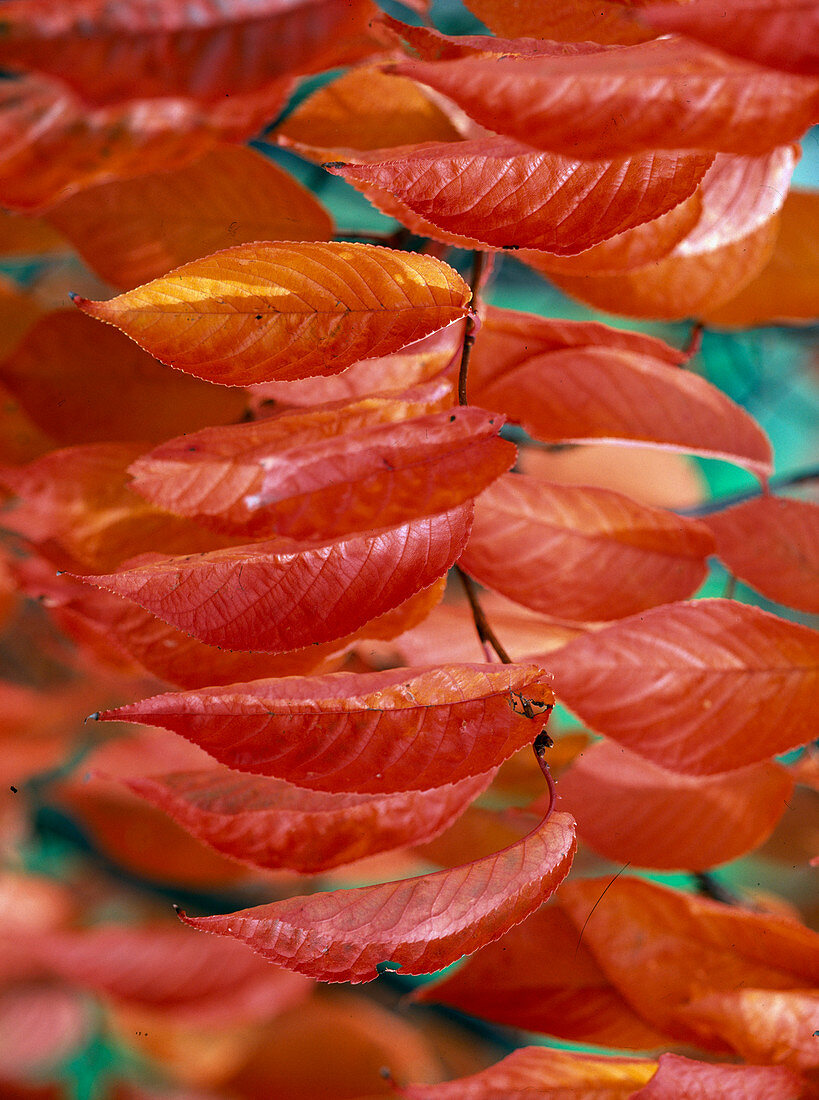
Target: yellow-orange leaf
x,y
276,311
131,231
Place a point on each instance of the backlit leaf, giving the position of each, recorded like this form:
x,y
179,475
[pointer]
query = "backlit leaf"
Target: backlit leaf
x,y
263,311
568,542
86,383
421,924
666,684
131,231
563,20
539,978
270,823
787,288
783,34
772,543
677,1077
630,810
281,595
168,47
298,484
671,94
504,194
399,730
53,145
661,948
543,1073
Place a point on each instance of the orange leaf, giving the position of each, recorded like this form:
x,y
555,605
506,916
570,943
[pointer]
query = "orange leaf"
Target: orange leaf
x,y
320,488
500,193
418,924
772,543
258,312
22,236
41,1026
399,730
698,688
131,231
783,34
661,948
630,810
18,314
681,1077
625,99
585,393
568,542
52,145
560,990
269,823
787,289
281,595
564,20
539,1072
84,383
110,54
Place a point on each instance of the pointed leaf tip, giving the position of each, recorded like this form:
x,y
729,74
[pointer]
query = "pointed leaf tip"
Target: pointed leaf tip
x,y
95,717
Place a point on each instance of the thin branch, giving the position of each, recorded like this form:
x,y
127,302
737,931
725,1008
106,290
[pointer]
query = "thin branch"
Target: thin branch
x,y
484,630
540,744
694,343
478,261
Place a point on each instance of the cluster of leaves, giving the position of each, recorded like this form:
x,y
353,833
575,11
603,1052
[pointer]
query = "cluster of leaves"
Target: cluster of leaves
x,y
268,529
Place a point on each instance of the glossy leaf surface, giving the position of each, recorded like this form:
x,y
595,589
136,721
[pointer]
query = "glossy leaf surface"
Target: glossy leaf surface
x,y
311,487
665,684
281,595
500,193
132,231
258,312
271,824
632,811
420,924
84,383
205,50
772,543
614,102
558,990
781,34
568,542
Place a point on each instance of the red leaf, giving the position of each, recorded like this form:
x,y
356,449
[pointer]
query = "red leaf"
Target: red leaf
x,y
772,543
618,101
131,231
85,383
680,1077
496,192
272,824
667,683
661,948
632,811
281,477
52,145
564,20
542,1073
568,542
418,924
516,981
282,595
278,311
783,34
400,730
173,48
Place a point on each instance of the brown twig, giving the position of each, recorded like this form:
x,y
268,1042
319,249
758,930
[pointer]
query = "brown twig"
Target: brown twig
x,y
478,261
484,630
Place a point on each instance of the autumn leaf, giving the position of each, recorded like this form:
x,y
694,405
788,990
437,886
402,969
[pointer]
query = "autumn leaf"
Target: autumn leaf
x,y
677,1076
771,543
782,34
269,823
299,484
28,236
632,811
497,192
563,20
109,55
82,383
568,542
669,94
666,684
418,924
41,1026
18,313
280,595
399,730
131,231
258,312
